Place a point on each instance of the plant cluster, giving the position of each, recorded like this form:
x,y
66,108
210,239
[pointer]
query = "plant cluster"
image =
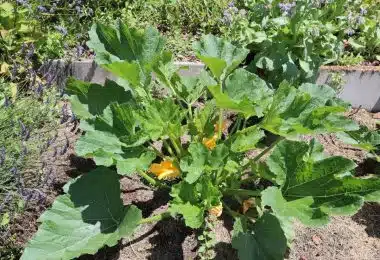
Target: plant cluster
x,y
294,38
191,136
27,124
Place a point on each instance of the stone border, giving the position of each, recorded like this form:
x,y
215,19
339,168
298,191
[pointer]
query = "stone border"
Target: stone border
x,y
361,88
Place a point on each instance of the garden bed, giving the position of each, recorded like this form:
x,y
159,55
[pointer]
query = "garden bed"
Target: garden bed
x,y
360,84
352,238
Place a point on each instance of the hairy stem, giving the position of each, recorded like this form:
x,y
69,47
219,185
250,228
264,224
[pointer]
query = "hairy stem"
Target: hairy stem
x,y
148,178
236,126
230,211
168,147
220,123
153,181
243,192
177,146
155,218
258,157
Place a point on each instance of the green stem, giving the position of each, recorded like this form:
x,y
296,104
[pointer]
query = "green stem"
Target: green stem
x,y
243,192
233,213
220,123
245,123
157,152
168,147
177,146
148,178
258,157
155,218
153,181
190,111
236,126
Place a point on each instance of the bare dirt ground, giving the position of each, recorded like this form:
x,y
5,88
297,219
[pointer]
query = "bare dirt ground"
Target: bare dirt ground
x,y
348,238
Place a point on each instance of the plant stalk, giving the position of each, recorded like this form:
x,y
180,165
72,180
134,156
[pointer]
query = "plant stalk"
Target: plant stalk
x,y
220,123
243,192
148,178
153,181
168,147
155,218
258,157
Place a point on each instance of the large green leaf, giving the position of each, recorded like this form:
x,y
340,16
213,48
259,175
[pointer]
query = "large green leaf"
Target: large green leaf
x,y
161,118
89,99
127,53
264,240
362,138
314,186
242,84
194,164
219,55
246,107
246,139
129,166
201,160
122,43
244,92
305,111
89,216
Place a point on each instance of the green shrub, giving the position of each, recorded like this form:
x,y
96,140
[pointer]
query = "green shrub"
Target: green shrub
x,y
208,173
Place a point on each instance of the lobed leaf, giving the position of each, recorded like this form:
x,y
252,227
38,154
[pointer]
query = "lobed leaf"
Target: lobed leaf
x,y
305,111
265,240
219,55
89,216
314,186
362,138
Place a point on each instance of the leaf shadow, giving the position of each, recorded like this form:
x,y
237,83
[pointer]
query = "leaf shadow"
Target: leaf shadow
x,y
369,215
225,251
99,202
167,244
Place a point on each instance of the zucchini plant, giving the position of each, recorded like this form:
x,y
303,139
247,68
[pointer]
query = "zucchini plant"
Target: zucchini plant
x,y
224,113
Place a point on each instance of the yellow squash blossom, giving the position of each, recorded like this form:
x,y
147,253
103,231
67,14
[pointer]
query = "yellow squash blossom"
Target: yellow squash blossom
x,y
164,170
210,143
224,126
247,204
216,211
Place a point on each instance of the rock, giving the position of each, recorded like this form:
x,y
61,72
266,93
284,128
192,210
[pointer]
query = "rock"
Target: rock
x,y
316,239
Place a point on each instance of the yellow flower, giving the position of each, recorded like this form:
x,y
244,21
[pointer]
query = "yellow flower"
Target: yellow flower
x,y
164,170
247,204
224,127
210,143
216,211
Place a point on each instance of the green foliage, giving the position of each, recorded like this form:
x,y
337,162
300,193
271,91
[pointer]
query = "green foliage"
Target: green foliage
x,y
291,39
208,172
262,240
363,139
20,152
94,217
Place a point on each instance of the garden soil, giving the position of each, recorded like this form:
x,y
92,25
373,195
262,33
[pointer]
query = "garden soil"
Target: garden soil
x,y
345,238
